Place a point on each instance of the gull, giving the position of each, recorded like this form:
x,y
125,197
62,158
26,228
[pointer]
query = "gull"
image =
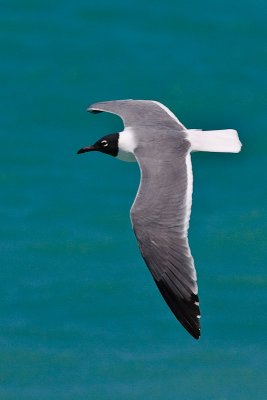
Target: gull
x,y
161,145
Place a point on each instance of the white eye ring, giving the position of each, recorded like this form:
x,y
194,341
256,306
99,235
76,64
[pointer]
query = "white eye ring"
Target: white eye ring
x,y
105,143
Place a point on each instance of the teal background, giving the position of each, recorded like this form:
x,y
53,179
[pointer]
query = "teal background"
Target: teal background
x,y
80,317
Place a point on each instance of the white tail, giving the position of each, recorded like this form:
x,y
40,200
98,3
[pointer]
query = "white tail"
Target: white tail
x,y
218,141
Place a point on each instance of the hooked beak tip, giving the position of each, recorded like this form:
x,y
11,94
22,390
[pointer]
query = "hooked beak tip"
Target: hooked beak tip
x,y
85,149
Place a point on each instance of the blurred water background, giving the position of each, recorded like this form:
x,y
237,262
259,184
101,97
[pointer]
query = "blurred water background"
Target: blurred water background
x,y
80,317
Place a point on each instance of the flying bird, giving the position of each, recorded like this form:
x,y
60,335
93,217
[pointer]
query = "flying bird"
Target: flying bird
x,y
161,145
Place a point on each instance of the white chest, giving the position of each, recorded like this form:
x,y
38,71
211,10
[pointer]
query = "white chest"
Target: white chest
x,y
127,145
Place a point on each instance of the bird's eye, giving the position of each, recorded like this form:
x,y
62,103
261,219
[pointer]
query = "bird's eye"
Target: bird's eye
x,y
104,143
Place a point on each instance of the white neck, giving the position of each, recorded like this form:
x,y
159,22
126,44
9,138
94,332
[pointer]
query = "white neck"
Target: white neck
x,y
127,145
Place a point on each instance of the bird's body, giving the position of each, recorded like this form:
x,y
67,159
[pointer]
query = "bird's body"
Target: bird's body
x,y
160,214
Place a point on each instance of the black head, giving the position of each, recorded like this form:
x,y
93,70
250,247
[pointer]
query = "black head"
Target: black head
x,y
108,144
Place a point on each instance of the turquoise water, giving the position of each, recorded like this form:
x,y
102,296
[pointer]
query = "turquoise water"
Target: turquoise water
x,y
80,317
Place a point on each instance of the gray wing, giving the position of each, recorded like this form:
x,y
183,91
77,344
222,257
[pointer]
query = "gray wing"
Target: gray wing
x,y
137,113
160,218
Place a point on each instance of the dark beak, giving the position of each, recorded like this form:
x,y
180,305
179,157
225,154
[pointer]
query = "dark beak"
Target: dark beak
x,y
85,149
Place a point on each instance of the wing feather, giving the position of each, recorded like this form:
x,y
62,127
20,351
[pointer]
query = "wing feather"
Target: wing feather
x,y
160,217
136,113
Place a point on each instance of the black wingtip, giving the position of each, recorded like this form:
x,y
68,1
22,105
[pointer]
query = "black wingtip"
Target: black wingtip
x,y
186,311
195,334
93,111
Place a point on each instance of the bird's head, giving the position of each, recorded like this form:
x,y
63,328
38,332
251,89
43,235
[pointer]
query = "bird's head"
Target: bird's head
x,y
108,144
